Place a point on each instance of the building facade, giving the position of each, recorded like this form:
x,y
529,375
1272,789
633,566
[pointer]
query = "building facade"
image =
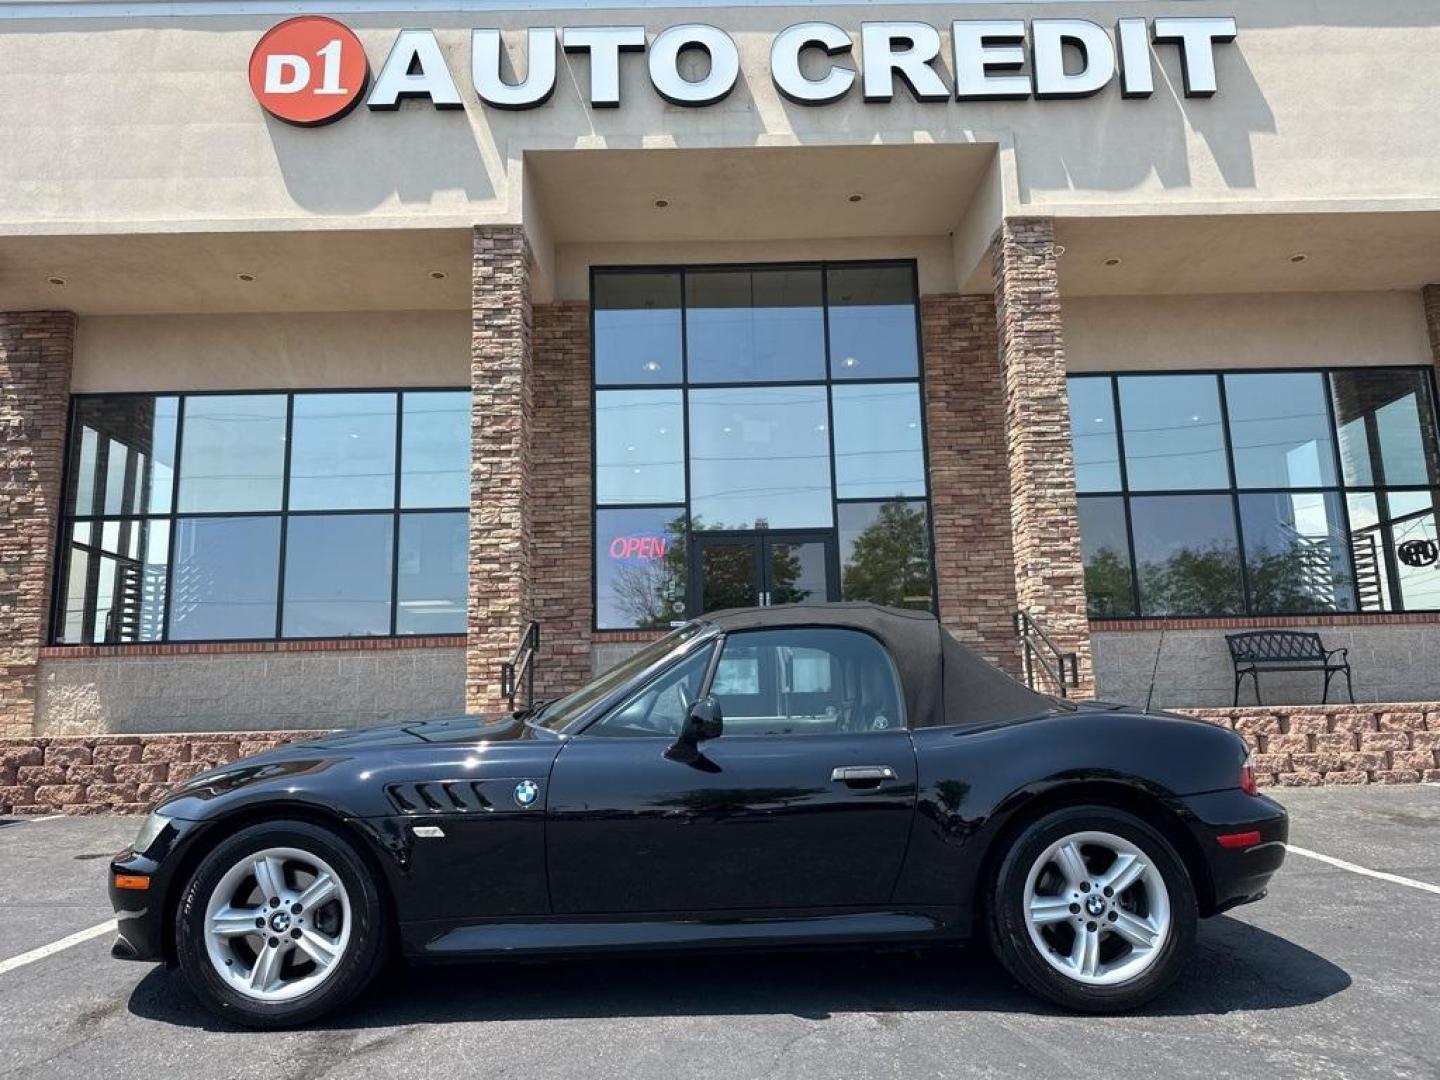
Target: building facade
x,y
339,342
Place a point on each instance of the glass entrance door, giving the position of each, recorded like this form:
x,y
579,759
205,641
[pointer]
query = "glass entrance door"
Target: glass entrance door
x,y
760,569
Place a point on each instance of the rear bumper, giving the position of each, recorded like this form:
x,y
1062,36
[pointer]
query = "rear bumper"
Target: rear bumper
x,y
1238,875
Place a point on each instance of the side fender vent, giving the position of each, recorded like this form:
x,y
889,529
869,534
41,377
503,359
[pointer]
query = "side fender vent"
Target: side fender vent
x,y
439,797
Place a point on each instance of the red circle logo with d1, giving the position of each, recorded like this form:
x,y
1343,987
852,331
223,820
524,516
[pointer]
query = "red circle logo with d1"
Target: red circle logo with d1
x,y
309,70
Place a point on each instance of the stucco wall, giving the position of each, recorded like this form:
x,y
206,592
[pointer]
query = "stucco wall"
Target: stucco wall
x,y
248,691
114,122
1129,333
1391,663
272,351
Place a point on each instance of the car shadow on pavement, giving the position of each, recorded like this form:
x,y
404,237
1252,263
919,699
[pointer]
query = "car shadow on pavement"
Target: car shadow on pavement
x,y
1237,967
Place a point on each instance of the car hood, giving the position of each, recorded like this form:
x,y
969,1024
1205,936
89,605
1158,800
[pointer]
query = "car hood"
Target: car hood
x,y
442,731
349,772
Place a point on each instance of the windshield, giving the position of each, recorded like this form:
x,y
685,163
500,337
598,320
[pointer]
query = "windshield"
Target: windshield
x,y
559,714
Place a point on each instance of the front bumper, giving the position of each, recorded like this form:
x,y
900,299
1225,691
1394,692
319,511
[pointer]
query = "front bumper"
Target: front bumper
x,y
1238,875
140,915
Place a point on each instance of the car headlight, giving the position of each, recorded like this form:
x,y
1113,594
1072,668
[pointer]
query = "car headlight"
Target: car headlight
x,y
150,830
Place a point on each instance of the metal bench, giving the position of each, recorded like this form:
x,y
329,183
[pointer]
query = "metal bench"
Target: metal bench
x,y
1285,650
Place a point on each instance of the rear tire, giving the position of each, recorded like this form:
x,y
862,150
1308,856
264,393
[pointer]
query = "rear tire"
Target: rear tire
x,y
1093,910
275,961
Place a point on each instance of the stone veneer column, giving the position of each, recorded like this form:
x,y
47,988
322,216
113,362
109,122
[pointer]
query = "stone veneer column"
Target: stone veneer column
x,y
969,478
1430,297
1044,511
502,387
563,559
36,350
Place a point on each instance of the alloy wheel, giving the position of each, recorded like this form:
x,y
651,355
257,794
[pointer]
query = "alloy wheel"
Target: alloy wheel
x,y
1096,908
277,924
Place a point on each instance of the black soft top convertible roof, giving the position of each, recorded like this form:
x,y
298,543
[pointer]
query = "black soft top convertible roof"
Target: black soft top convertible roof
x,y
944,682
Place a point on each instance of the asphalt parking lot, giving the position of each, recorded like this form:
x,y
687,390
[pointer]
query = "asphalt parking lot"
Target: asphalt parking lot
x,y
1337,974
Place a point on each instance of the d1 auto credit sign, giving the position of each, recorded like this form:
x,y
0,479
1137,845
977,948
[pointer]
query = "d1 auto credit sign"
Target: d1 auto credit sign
x,y
312,70
309,70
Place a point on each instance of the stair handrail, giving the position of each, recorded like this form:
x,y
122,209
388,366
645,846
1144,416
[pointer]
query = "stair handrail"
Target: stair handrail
x,y
521,666
1061,667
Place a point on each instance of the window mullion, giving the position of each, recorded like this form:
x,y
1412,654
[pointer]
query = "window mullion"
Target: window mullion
x,y
284,514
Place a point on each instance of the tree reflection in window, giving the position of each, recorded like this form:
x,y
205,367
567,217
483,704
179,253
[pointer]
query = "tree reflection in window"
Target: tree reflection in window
x,y
885,553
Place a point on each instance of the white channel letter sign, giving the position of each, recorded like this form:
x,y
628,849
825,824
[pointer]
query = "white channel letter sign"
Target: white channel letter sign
x,y
810,63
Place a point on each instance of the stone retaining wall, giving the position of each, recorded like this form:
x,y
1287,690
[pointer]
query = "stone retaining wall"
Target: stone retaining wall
x,y
114,774
1310,745
1295,746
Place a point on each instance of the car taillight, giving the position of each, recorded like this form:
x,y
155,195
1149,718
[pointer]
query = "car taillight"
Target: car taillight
x,y
1247,778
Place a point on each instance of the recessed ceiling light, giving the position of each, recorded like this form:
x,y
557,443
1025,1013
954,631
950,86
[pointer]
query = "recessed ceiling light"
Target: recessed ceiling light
x,y
819,427
661,430
1299,257
727,430
247,278
629,449
57,281
856,197
652,365
849,361
1112,261
660,204
438,275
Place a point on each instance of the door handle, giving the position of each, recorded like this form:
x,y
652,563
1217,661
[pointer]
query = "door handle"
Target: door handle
x,y
861,775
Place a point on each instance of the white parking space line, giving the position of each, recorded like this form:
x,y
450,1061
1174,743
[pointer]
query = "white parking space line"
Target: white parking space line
x,y
77,938
1395,879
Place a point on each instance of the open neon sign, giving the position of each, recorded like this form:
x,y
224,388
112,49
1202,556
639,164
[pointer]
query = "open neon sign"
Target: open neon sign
x,y
639,547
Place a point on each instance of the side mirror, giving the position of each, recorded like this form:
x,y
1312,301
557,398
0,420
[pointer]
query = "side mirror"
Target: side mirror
x,y
702,722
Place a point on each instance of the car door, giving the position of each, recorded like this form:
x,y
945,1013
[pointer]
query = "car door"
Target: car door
x,y
805,801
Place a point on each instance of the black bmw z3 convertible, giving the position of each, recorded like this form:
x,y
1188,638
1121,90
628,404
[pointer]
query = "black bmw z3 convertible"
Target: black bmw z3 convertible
x,y
775,777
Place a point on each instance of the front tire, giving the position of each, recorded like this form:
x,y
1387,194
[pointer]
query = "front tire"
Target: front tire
x,y
280,924
1092,909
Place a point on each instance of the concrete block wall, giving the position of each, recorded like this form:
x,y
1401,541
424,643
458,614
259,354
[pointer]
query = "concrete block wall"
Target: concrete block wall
x,y
247,691
1391,662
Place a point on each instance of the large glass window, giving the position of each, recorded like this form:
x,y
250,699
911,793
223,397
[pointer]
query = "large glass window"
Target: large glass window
x,y
878,425
342,452
1173,434
637,328
780,405
873,332
226,577
1264,493
204,517
1280,430
754,325
234,453
640,567
639,446
759,458
885,552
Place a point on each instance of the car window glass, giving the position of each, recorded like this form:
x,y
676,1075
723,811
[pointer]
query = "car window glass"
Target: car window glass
x,y
805,681
659,708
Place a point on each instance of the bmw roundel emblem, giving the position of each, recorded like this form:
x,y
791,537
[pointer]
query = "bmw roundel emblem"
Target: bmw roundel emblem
x,y
526,792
